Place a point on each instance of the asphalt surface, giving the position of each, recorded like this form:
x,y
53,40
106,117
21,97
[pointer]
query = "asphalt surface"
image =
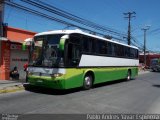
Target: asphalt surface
x,y
141,95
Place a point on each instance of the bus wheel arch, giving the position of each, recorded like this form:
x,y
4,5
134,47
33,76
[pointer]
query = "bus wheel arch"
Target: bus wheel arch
x,y
88,80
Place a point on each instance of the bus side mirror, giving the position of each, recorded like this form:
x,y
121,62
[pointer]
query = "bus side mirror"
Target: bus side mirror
x,y
27,42
24,46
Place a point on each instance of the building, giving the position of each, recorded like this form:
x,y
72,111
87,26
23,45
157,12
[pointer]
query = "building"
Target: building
x,y
149,57
11,53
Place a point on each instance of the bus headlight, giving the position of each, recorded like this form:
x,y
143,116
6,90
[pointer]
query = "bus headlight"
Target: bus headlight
x,y
56,75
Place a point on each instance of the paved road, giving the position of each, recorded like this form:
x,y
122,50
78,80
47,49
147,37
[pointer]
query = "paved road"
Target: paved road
x,y
141,95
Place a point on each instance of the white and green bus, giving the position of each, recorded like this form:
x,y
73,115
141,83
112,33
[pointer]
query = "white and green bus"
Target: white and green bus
x,y
65,59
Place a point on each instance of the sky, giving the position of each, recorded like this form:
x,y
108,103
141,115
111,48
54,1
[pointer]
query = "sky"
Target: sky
x,y
108,13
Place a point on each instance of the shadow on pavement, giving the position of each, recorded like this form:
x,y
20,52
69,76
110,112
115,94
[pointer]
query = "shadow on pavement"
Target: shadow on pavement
x,y
110,83
157,86
49,91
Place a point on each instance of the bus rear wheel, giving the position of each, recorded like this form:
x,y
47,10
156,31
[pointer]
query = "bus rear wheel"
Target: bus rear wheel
x,y
88,82
128,75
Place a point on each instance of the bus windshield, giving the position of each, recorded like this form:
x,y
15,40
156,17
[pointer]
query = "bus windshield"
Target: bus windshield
x,y
45,51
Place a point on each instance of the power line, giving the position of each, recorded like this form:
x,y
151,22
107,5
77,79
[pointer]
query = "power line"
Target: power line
x,y
12,4
37,13
67,15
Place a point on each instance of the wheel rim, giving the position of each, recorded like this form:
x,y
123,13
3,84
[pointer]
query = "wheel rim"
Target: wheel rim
x,y
88,81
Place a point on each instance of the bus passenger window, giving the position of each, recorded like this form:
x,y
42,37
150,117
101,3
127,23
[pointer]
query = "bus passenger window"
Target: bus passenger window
x,y
109,49
85,44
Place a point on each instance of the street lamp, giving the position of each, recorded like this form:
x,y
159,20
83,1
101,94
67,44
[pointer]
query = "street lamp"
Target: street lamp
x,y
145,30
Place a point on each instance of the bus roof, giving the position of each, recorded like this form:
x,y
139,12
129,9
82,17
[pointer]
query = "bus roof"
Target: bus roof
x,y
67,32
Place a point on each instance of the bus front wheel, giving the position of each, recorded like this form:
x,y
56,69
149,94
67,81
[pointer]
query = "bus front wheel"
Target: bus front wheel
x,y
88,82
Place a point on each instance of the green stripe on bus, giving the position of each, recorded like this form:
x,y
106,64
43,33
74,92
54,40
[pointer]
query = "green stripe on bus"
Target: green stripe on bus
x,y
74,77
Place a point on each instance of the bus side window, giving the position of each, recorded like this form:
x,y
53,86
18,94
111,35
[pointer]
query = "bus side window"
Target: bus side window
x,y
127,52
93,42
133,53
106,48
102,47
121,51
114,49
87,44
109,49
137,54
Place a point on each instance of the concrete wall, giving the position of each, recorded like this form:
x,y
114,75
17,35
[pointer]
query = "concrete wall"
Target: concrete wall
x,y
14,35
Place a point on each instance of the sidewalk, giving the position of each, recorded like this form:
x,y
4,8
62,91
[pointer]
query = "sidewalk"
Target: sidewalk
x,y
7,86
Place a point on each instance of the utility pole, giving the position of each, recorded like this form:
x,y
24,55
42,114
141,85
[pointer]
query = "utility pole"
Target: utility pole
x,y
1,24
129,15
1,17
145,30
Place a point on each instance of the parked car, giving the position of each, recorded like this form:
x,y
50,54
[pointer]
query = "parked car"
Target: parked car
x,y
155,65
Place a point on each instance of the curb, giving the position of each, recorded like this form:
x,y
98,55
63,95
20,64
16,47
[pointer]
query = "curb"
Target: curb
x,y
10,89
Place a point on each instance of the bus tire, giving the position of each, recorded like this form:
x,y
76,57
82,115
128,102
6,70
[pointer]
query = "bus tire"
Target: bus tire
x,y
128,75
88,82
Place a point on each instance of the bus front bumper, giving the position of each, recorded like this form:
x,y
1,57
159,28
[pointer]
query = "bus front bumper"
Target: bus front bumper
x,y
47,82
